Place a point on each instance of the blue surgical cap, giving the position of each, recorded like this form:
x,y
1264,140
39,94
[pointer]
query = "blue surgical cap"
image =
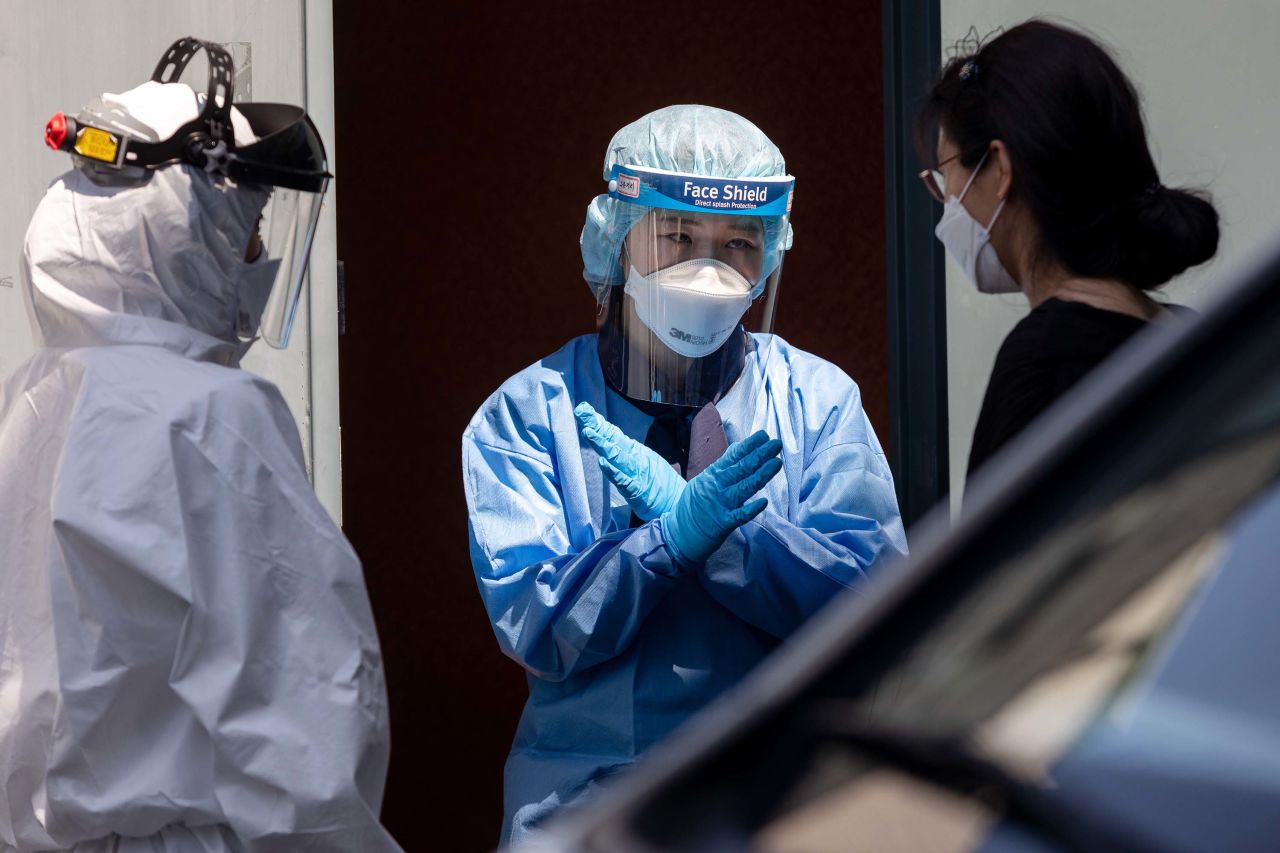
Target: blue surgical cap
x,y
687,138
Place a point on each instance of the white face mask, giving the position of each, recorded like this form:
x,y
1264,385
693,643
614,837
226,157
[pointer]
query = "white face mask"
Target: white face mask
x,y
691,306
969,243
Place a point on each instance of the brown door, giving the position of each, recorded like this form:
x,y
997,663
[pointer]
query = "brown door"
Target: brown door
x,y
470,138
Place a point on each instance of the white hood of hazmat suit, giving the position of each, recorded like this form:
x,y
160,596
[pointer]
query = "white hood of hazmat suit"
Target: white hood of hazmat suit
x,y
188,660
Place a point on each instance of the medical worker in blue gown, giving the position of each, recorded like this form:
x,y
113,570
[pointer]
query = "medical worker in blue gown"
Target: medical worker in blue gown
x,y
654,508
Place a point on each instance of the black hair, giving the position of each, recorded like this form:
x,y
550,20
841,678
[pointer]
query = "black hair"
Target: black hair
x,y
1073,126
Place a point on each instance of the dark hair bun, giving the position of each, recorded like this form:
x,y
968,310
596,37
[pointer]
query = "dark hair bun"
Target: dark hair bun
x,y
1173,229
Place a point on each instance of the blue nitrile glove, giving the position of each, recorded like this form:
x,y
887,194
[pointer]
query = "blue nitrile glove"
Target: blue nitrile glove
x,y
718,501
647,481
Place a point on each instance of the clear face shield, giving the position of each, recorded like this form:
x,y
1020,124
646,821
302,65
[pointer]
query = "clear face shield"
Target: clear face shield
x,y
701,267
288,159
278,272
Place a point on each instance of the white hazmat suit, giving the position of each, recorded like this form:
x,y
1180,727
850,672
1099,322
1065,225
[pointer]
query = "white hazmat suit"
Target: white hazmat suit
x,y
188,660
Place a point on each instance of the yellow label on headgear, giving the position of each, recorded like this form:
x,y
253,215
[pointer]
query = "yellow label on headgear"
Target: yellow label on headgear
x,y
97,145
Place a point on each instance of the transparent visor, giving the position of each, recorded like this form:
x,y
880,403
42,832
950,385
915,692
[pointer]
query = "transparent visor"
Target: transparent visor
x,y
696,284
273,282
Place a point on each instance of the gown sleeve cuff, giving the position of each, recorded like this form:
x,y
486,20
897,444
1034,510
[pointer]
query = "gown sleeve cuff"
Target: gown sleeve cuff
x,y
655,552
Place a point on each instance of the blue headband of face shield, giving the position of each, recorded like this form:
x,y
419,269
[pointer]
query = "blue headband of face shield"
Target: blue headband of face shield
x,y
635,190
701,194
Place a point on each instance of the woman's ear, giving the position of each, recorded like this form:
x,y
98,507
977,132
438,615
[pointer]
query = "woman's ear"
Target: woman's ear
x,y
1004,169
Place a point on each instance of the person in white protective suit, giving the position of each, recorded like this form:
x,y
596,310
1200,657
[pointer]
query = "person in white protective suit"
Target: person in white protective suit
x,y
188,660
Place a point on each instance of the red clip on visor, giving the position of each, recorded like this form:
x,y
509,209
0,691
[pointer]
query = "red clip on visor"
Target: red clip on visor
x,y
55,132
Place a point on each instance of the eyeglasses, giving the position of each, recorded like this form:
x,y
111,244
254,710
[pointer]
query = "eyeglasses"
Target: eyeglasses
x,y
935,182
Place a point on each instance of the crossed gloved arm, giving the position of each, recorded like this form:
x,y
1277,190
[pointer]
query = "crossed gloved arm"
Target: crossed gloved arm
x,y
699,515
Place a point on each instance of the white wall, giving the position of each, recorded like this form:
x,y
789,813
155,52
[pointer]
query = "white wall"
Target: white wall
x,y
1209,75
55,55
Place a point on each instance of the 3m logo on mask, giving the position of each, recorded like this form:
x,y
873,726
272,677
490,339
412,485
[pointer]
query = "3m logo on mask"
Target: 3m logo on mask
x,y
696,340
629,185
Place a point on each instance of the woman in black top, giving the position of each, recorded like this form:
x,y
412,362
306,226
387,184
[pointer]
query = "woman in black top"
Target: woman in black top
x,y
1040,156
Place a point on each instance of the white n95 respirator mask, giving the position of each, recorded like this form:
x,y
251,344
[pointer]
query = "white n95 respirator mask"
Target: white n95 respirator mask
x,y
968,243
692,307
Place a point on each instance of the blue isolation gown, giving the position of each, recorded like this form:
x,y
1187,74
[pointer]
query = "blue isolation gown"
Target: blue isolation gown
x,y
621,643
